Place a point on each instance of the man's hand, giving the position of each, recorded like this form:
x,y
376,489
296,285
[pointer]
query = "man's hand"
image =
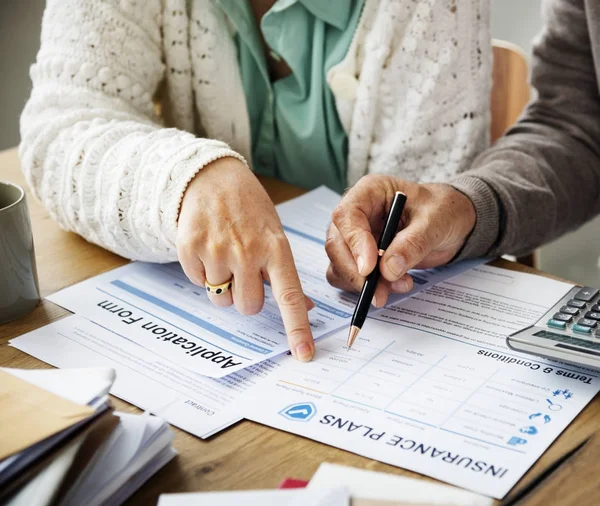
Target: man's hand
x,y
437,220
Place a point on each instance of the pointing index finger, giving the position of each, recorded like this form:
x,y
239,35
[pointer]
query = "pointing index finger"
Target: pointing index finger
x,y
290,298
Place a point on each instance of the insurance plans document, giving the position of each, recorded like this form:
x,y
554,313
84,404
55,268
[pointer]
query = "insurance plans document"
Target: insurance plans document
x,y
156,306
431,386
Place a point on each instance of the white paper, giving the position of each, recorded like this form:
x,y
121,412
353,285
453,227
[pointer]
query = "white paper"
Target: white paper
x,y
157,307
134,451
290,497
365,484
81,386
431,386
41,489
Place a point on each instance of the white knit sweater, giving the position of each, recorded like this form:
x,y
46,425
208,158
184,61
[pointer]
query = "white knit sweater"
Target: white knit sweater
x,y
412,94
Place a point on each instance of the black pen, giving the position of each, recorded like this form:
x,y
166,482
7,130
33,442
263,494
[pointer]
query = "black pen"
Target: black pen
x,y
366,295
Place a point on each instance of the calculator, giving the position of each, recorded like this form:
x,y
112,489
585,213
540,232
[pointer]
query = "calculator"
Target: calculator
x,y
569,331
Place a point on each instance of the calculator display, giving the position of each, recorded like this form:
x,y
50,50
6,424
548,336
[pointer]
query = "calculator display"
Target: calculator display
x,y
568,339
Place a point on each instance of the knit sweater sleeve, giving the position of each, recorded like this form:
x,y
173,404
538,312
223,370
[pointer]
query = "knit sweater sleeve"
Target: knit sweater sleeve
x,y
92,148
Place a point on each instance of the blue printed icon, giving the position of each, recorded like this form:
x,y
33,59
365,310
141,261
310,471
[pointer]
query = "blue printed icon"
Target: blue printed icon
x,y
566,393
301,412
528,430
546,418
553,406
514,441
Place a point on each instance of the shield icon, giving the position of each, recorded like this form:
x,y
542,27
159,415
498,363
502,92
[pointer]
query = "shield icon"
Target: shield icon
x,y
301,412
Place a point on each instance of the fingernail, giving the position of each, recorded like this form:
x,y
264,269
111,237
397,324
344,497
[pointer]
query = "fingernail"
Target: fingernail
x,y
360,263
303,352
374,301
400,286
396,265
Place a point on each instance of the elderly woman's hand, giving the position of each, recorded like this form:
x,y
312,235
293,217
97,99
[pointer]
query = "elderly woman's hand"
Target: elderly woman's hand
x,y
228,227
436,221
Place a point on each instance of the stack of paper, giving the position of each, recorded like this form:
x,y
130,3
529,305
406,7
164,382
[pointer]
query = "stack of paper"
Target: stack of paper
x,y
63,445
138,447
39,410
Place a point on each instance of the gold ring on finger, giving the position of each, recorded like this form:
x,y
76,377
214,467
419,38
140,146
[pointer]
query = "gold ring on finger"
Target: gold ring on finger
x,y
218,289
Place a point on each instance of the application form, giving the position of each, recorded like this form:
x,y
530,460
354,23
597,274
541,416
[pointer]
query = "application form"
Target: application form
x,y
431,386
157,307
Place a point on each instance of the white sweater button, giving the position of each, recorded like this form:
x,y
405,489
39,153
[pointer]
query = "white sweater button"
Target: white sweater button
x,y
344,86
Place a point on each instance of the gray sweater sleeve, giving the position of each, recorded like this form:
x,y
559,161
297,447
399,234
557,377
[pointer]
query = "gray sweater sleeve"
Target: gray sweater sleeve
x,y
543,178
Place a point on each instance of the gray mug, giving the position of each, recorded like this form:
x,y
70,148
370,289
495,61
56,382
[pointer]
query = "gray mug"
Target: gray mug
x,y
19,290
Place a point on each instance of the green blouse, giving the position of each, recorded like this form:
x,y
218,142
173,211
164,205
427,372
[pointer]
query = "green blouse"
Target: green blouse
x,y
296,132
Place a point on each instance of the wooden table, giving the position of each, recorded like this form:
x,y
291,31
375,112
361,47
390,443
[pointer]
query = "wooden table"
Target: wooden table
x,y
245,456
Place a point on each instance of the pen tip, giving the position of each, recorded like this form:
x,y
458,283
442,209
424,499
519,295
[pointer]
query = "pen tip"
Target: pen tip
x,y
354,330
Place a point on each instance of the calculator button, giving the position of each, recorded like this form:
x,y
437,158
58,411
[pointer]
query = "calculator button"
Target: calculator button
x,y
586,294
569,310
592,316
557,324
586,322
576,303
562,317
596,308
581,329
